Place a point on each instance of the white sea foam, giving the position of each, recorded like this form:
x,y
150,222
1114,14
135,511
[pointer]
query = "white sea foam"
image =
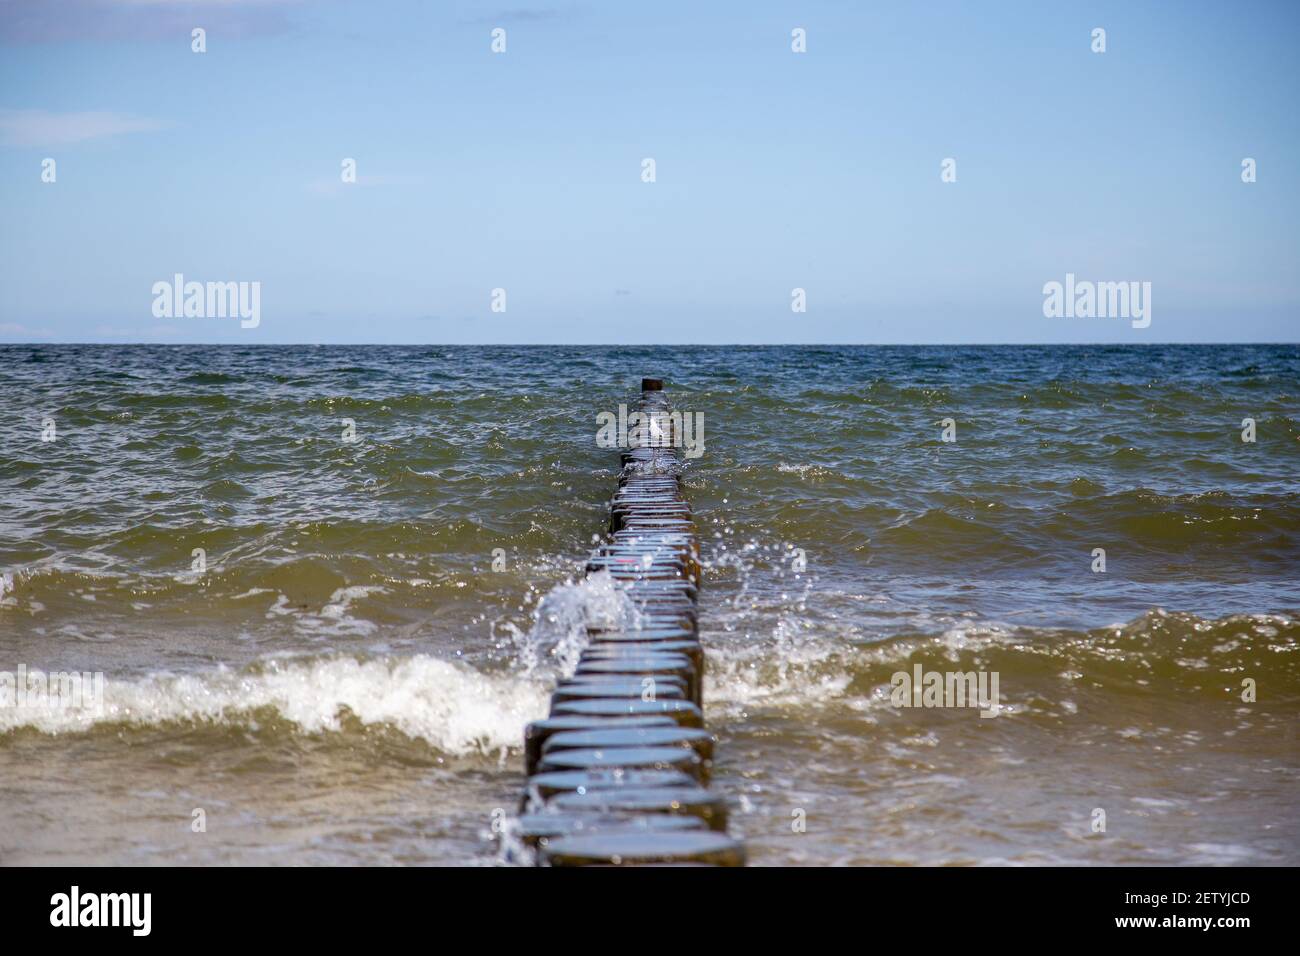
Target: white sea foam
x,y
738,680
341,600
453,707
806,470
335,617
559,630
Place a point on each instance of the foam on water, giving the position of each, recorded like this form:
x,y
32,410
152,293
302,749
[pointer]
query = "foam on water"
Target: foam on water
x,y
559,630
348,585
797,666
454,708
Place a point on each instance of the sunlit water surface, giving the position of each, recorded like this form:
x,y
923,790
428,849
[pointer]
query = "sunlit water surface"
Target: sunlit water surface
x,y
347,678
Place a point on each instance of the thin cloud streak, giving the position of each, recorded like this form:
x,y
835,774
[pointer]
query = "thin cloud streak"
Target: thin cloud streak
x,y
42,128
34,22
536,15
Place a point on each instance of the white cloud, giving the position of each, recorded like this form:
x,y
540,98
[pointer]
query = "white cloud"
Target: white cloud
x,y
14,328
333,186
153,331
60,21
42,128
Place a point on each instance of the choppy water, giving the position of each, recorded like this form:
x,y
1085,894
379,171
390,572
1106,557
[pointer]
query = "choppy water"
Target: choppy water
x,y
347,680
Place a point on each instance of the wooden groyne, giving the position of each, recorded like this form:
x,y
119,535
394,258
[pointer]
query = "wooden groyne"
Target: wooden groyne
x,y
618,774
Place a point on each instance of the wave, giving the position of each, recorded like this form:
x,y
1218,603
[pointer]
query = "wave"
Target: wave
x,y
239,588
1003,524
1157,662
452,706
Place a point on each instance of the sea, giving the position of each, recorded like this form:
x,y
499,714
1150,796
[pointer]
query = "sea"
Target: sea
x,y
312,595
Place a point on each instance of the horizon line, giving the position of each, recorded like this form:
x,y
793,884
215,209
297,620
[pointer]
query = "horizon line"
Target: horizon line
x,y
675,345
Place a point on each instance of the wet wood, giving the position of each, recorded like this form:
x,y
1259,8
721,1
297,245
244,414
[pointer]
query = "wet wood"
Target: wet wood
x,y
618,774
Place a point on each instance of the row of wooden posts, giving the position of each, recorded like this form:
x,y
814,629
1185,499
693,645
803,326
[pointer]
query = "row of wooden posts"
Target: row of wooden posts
x,y
618,773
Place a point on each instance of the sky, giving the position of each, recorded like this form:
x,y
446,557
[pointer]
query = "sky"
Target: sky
x,y
523,170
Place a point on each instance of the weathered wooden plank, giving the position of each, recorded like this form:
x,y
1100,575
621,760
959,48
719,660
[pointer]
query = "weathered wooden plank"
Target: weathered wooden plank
x,y
618,774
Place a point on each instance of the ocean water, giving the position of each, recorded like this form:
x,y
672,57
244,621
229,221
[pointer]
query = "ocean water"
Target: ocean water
x,y
345,676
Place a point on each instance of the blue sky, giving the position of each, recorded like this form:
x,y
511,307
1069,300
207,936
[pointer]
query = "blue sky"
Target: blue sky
x,y
774,170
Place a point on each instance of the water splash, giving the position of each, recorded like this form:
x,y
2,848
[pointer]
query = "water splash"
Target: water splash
x,y
559,630
454,708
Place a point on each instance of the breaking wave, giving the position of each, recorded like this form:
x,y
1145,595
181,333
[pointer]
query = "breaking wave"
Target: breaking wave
x,y
451,705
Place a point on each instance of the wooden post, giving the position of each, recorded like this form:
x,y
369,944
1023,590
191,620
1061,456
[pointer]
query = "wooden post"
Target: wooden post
x,y
619,771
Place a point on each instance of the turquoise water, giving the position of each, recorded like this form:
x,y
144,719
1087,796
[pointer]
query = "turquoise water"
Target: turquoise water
x,y
346,677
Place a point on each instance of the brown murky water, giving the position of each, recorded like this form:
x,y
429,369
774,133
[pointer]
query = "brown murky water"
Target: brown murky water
x,y
346,678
